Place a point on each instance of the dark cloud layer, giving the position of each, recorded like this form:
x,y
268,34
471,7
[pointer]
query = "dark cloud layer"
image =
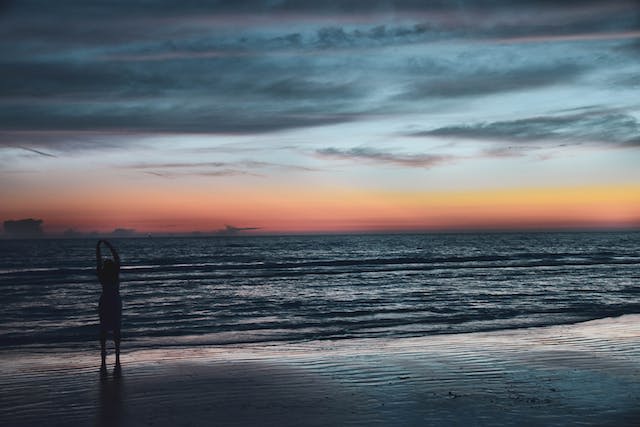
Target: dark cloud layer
x,y
611,128
153,118
250,67
490,80
170,7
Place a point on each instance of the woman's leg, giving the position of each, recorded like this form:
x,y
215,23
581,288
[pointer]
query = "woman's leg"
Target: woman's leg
x,y
116,340
103,349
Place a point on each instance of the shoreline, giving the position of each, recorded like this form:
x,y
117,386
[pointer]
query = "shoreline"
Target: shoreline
x,y
204,340
585,373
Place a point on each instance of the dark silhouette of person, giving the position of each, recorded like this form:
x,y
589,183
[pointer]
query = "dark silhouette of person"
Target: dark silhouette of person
x,y
110,305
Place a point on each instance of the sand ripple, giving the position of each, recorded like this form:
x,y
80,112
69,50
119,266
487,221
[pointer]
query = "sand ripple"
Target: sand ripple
x,y
584,374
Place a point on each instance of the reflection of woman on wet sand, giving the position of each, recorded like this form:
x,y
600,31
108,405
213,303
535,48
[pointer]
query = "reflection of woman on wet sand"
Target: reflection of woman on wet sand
x,y
110,305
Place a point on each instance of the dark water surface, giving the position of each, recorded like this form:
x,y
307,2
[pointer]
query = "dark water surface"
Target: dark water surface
x,y
291,288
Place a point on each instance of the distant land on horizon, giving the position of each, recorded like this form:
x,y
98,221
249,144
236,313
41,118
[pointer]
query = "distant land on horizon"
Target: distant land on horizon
x,y
30,228
33,228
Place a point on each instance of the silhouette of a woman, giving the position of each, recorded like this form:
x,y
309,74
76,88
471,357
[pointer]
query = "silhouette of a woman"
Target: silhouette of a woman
x,y
110,305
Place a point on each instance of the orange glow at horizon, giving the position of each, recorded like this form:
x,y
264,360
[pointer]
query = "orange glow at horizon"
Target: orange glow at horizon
x,y
336,210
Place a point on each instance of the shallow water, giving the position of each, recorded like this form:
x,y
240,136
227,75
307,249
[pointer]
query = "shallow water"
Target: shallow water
x,y
297,288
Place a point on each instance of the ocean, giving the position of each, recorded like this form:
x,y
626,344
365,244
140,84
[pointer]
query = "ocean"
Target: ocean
x,y
273,289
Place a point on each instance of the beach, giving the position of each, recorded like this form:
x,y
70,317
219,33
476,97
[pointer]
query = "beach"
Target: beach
x,y
320,213
582,374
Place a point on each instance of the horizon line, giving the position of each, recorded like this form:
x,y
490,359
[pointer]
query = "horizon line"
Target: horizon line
x,y
250,233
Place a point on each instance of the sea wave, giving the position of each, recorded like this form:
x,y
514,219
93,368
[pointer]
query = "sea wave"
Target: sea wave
x,y
318,287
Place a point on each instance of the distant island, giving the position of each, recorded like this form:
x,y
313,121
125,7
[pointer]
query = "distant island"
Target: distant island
x,y
23,228
30,228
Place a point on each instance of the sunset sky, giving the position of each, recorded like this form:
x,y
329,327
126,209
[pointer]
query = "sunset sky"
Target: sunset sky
x,y
320,116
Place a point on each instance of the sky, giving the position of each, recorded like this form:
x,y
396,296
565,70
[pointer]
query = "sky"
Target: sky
x,y
331,116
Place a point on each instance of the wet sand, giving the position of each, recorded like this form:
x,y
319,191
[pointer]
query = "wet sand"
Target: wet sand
x,y
583,374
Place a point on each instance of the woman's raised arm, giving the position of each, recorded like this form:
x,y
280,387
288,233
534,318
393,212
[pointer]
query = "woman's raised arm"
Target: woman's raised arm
x,y
114,253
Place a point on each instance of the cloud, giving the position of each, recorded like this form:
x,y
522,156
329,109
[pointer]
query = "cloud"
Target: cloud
x,y
629,80
281,166
49,77
64,141
176,165
243,163
123,232
159,174
375,156
164,29
490,80
251,67
214,169
27,228
223,172
230,230
610,128
42,153
206,118
206,173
